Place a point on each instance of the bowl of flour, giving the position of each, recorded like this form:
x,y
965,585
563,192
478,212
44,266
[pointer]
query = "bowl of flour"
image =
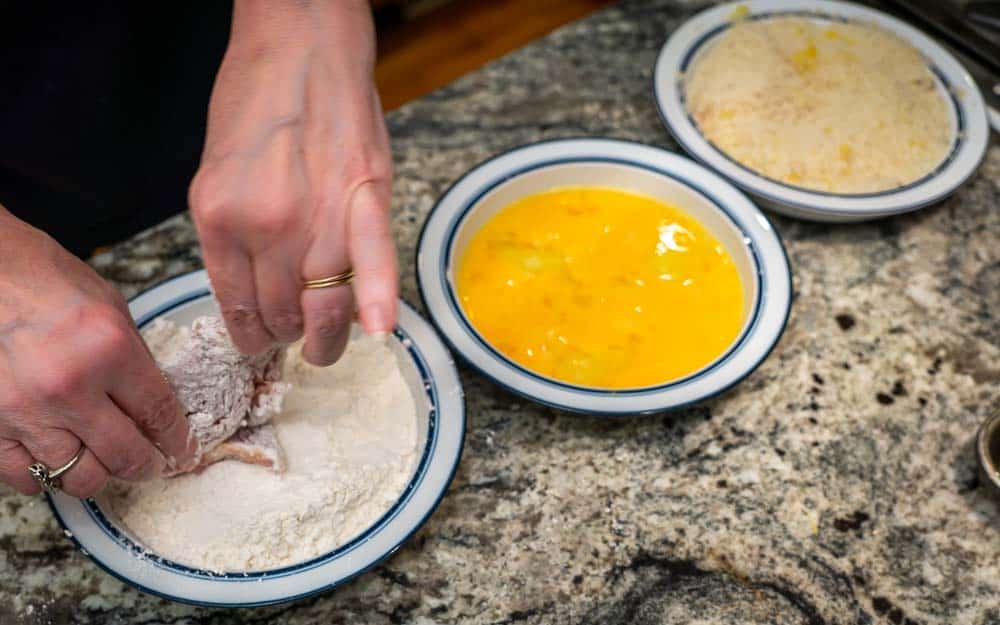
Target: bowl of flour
x,y
368,445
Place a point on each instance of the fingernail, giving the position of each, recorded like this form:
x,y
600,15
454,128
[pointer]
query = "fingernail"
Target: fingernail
x,y
375,319
193,452
381,337
157,468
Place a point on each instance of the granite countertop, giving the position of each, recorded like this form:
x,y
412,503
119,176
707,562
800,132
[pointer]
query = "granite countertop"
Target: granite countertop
x,y
835,485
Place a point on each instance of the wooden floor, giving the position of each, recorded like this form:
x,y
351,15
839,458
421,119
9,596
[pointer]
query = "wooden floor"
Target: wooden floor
x,y
421,54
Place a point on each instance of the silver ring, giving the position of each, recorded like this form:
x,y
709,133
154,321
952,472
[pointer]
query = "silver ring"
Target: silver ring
x,y
49,479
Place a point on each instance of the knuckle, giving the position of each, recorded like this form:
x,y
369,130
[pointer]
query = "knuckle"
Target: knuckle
x,y
370,222
84,484
246,328
132,466
372,227
20,426
329,322
108,334
104,339
101,338
58,383
50,446
201,192
212,216
209,206
380,168
13,465
373,167
240,315
285,324
160,416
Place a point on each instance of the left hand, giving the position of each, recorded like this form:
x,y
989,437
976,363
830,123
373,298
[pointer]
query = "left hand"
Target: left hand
x,y
295,178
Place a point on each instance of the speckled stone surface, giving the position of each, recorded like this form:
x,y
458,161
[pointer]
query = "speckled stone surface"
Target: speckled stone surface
x,y
836,485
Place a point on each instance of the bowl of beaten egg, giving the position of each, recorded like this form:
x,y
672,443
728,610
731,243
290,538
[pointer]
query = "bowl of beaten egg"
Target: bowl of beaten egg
x,y
603,276
823,110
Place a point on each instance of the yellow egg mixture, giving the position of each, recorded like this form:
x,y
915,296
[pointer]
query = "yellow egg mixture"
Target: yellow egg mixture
x,y
601,287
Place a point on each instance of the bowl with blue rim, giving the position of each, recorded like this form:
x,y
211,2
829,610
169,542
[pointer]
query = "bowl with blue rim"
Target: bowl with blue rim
x,y
727,213
965,108
430,374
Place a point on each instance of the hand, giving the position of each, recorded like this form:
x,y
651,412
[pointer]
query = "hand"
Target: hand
x,y
295,178
74,371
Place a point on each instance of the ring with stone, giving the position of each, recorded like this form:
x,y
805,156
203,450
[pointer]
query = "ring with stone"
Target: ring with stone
x,y
49,479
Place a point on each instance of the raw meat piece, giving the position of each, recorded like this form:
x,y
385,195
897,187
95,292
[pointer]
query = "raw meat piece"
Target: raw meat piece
x,y
253,445
221,389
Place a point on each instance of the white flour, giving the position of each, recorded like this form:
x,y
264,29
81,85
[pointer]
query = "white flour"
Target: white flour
x,y
350,435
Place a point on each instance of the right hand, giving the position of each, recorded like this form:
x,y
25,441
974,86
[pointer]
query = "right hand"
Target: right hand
x,y
74,371
295,179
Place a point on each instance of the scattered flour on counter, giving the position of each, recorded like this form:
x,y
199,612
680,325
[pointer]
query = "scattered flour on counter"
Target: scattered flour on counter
x,y
350,435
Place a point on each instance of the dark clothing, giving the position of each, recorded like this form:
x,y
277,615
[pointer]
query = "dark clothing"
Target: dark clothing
x,y
102,117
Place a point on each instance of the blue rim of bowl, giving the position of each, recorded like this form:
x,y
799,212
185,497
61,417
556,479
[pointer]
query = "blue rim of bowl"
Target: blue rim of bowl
x,y
459,216
959,141
751,321
131,548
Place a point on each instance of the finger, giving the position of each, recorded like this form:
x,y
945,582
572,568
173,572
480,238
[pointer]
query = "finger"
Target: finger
x,y
119,444
373,257
14,463
55,448
328,312
232,276
86,478
142,397
278,281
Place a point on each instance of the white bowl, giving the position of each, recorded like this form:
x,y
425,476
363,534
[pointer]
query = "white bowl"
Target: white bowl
x,y
729,215
431,376
968,112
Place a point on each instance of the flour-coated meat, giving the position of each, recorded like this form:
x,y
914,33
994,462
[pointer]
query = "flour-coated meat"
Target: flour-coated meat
x,y
220,389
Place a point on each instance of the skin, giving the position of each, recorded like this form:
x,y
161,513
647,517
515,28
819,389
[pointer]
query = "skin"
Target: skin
x,y
294,184
295,178
74,370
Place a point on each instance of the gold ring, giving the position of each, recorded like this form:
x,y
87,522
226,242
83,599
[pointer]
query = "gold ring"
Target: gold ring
x,y
48,479
336,280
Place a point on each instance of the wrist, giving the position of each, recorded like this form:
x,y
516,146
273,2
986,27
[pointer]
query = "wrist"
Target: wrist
x,y
262,27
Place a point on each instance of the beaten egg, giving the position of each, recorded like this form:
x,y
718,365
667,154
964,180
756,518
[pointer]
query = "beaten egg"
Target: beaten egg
x,y
601,287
